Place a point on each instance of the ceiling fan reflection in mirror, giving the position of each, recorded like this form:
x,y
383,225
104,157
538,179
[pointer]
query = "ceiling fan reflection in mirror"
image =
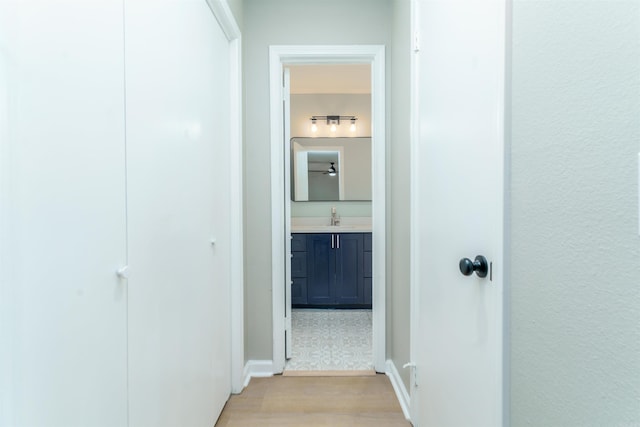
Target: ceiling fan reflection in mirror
x,y
332,171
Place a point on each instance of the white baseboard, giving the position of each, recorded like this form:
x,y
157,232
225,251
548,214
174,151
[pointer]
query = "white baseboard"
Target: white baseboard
x,y
399,388
257,368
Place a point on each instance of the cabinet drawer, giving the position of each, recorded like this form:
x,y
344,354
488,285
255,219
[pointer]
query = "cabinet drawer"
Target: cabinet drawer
x,y
298,242
367,267
368,242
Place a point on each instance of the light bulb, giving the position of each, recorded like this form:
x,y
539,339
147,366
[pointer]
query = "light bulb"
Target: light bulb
x,y
333,127
352,128
314,127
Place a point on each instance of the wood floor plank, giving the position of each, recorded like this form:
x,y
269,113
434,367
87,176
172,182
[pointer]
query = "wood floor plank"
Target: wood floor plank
x,y
315,401
341,373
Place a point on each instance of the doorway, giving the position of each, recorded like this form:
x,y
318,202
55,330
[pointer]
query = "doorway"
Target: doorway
x,y
281,201
330,217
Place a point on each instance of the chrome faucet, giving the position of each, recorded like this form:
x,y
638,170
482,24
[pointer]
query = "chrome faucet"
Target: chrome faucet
x,y
334,218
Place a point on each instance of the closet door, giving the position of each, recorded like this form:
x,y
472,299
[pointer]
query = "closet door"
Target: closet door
x,y
62,214
177,79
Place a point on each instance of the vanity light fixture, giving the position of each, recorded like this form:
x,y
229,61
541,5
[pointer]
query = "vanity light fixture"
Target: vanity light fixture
x,y
332,170
333,121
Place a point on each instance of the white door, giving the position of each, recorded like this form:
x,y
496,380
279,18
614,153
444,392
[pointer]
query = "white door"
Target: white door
x,y
458,167
63,344
178,133
286,109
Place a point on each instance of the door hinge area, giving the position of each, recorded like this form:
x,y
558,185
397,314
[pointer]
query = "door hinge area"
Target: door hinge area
x,y
414,372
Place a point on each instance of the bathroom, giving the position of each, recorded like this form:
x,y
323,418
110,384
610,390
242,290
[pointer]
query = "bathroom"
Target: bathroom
x,y
330,219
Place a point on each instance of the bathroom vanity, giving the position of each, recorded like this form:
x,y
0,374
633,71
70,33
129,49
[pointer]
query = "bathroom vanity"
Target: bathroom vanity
x,y
331,267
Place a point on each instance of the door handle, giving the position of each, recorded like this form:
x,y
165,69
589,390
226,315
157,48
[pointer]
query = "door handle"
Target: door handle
x,y
479,265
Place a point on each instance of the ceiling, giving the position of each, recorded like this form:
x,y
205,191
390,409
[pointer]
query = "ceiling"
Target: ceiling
x,y
333,78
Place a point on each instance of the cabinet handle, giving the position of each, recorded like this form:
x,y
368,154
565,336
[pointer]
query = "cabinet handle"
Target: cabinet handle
x,y
338,240
332,240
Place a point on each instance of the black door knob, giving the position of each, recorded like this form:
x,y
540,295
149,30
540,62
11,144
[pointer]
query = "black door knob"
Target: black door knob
x,y
479,265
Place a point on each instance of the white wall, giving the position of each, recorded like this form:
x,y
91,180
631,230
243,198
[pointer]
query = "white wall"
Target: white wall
x,y
283,22
575,279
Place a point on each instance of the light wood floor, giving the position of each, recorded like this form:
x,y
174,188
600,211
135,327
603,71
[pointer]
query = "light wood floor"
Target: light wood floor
x,y
315,401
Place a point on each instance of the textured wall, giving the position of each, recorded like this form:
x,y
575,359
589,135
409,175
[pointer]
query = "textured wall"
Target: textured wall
x,y
283,22
575,282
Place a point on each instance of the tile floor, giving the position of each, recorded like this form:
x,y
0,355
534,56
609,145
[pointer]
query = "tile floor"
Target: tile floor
x,y
330,340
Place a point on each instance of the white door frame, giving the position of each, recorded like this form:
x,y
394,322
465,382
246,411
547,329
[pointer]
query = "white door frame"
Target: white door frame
x,y
371,54
224,16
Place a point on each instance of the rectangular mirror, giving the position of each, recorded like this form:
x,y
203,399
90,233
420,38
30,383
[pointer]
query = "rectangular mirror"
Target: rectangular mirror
x,y
330,169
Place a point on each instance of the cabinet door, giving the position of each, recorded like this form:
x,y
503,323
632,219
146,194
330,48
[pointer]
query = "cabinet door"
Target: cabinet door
x,y
349,268
298,264
321,267
299,290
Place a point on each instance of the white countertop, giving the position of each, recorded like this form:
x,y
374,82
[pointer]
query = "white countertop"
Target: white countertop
x,y
322,225
330,228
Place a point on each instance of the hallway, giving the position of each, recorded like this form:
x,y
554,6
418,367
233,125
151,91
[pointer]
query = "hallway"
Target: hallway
x,y
315,401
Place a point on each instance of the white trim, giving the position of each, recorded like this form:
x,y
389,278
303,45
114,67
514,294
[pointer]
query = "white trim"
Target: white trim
x,y
379,208
286,88
224,16
374,55
399,388
506,218
236,226
256,369
414,292
278,273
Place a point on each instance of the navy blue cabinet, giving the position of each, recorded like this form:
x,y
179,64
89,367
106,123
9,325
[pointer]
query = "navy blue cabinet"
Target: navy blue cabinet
x,y
349,268
336,270
321,262
298,269
368,268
